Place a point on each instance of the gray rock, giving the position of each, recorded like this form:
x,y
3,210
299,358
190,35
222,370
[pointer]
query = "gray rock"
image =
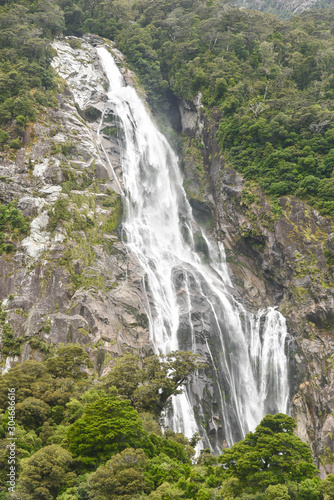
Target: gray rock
x,y
101,171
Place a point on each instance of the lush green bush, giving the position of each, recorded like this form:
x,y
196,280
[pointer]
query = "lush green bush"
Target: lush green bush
x,y
107,426
26,79
46,472
13,225
271,455
149,384
70,361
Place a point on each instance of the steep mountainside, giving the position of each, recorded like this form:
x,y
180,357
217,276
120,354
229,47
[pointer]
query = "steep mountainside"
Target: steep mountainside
x,y
70,279
276,255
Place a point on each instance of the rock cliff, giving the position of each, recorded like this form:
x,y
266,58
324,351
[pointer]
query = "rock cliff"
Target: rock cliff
x,y
290,7
71,279
278,254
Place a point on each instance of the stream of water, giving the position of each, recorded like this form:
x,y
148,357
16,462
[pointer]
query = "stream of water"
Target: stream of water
x,y
189,304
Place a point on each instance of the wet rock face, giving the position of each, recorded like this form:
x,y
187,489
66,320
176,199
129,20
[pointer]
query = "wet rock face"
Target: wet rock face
x,y
313,402
71,278
278,255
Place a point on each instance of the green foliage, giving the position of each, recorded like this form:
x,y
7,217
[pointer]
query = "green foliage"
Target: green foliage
x,y
74,179
282,9
70,361
32,413
162,468
69,426
121,477
309,490
15,144
115,202
59,212
172,446
46,472
166,491
13,225
270,85
277,491
10,343
269,456
148,385
23,378
268,82
26,79
327,487
27,441
138,44
107,427
4,136
74,410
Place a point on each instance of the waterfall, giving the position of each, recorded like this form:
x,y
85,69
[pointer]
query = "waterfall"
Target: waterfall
x,y
189,304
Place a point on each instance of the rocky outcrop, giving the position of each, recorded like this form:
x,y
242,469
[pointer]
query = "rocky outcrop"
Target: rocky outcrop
x,y
71,279
290,7
279,254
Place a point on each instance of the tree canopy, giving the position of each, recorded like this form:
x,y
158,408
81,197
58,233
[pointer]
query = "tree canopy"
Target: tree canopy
x,y
270,455
81,438
45,472
106,427
149,383
267,83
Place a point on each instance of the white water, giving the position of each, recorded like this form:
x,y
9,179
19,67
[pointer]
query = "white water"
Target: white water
x,y
188,302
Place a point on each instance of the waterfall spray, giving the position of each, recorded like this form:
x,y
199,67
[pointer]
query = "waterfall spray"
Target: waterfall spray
x,y
190,305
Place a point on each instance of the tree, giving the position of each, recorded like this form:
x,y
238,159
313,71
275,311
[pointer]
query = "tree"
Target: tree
x,y
309,489
32,413
23,378
45,472
327,487
125,376
270,455
277,492
121,477
150,383
163,469
107,426
70,361
326,189
50,17
166,491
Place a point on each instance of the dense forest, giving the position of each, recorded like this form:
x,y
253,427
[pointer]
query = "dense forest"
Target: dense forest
x,y
269,85
81,438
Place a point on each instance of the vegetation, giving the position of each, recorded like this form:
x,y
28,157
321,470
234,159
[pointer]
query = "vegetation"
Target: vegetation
x,y
271,455
81,438
10,344
13,225
26,79
150,383
269,83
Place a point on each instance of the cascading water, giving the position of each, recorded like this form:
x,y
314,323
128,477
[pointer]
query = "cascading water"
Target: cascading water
x,y
189,304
